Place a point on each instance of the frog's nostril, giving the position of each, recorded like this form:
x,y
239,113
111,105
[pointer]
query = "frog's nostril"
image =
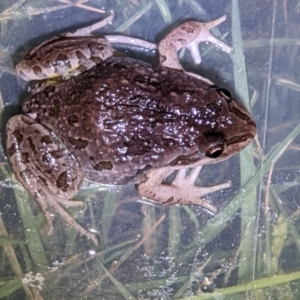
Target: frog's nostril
x,y
215,151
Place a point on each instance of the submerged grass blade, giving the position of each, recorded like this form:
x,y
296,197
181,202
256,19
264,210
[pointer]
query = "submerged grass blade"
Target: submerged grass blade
x,y
117,284
31,227
248,208
135,17
215,225
291,227
164,10
9,287
175,228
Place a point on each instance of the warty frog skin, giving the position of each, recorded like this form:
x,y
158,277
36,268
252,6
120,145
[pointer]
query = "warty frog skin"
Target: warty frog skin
x,y
116,120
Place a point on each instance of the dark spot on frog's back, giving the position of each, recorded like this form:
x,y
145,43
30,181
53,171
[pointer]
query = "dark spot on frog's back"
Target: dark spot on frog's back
x,y
72,120
62,181
137,147
54,111
25,157
49,90
119,66
18,135
74,98
103,165
31,144
12,150
46,139
78,143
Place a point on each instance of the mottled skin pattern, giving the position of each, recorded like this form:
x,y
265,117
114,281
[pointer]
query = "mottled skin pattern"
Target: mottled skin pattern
x,y
122,120
124,116
60,55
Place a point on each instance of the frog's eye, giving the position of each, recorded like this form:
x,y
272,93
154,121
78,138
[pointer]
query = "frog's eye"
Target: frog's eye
x,y
215,151
224,93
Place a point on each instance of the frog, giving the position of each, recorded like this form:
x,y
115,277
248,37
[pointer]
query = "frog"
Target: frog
x,y
117,120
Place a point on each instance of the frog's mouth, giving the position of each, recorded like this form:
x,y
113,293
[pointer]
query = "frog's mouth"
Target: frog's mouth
x,y
195,158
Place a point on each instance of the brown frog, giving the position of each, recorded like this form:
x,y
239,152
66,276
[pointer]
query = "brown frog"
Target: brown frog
x,y
121,120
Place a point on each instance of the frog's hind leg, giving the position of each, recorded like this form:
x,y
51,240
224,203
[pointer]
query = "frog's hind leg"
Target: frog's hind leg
x,y
42,201
54,203
46,201
45,167
181,191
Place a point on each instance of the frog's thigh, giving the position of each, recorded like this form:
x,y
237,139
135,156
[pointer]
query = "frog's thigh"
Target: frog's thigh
x,y
44,166
40,160
181,191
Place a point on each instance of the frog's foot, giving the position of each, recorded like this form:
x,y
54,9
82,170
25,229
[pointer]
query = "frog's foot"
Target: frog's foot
x,y
45,208
188,35
68,218
181,191
206,36
47,200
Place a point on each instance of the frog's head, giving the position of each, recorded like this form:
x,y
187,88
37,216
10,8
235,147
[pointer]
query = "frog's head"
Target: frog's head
x,y
227,128
234,131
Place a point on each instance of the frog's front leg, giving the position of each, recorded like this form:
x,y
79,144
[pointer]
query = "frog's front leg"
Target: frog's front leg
x,y
45,167
188,35
181,191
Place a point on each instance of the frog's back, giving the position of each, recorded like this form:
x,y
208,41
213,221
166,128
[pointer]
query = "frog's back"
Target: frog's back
x,y
125,116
